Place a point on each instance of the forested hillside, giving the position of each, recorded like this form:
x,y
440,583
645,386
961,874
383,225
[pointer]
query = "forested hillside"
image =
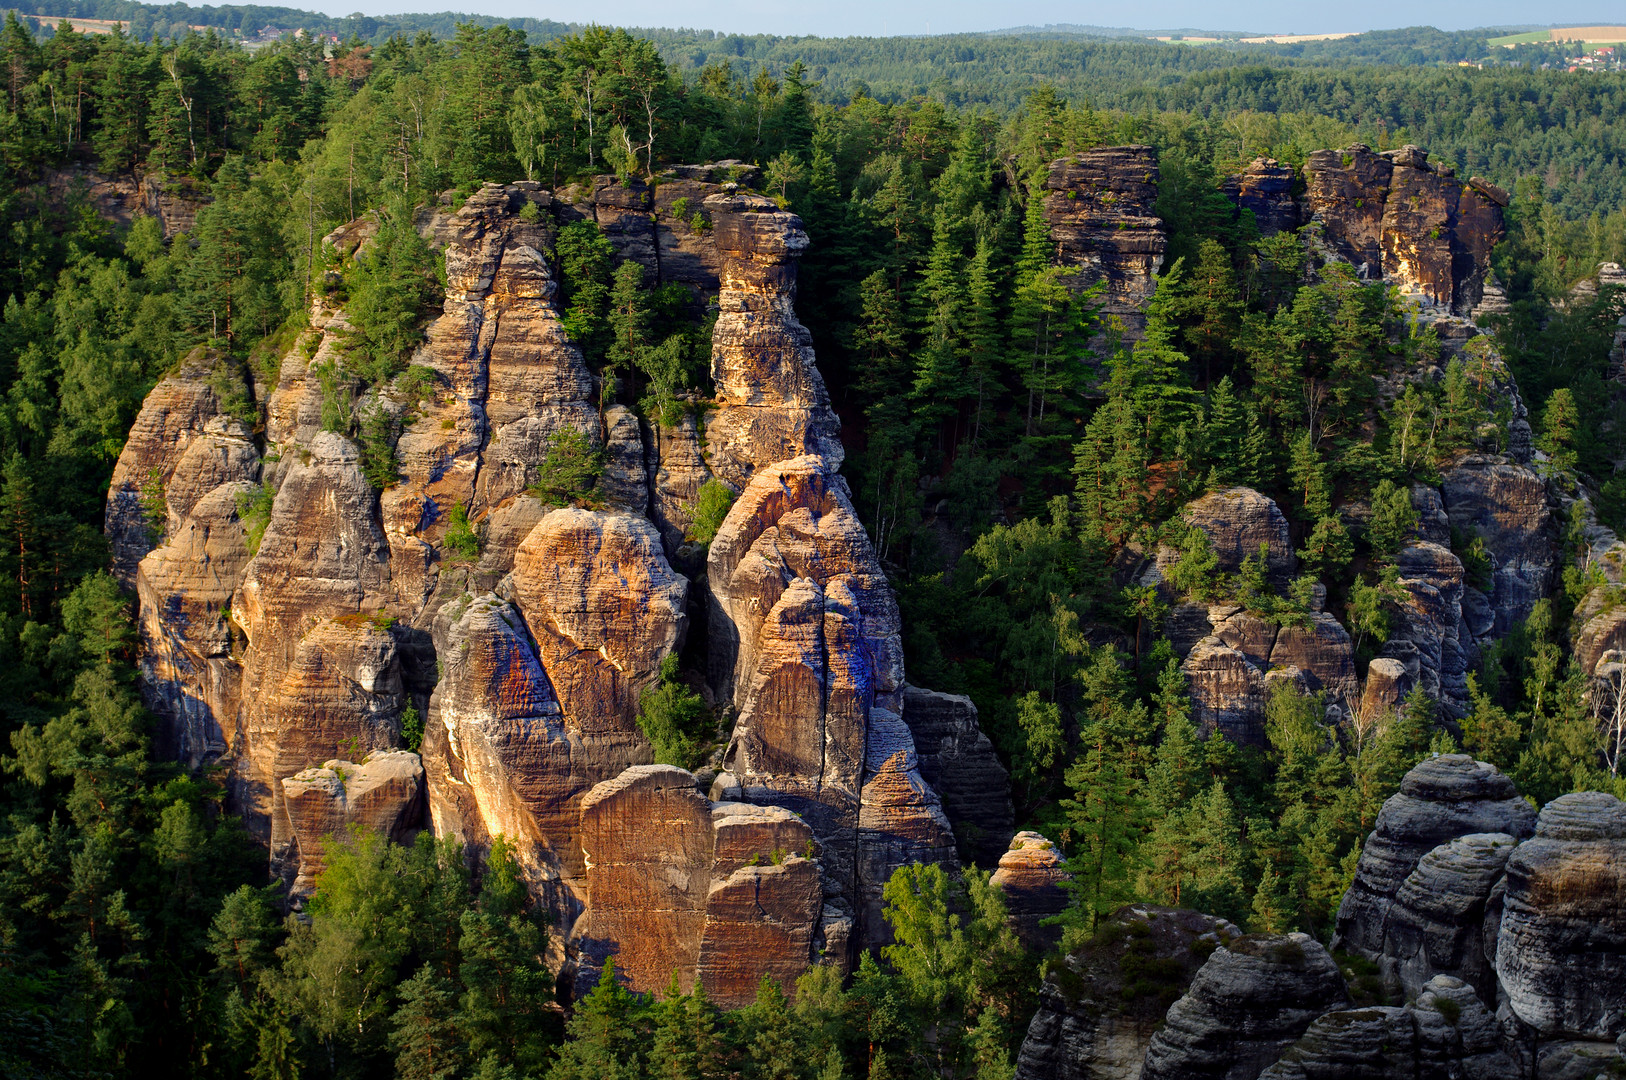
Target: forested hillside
x,y
182,210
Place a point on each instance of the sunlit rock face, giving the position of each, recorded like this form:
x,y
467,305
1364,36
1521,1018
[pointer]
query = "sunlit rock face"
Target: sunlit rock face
x,y
302,614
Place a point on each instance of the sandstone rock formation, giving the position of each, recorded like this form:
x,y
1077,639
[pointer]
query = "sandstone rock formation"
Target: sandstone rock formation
x,y
383,793
1099,208
721,893
1445,1032
1436,923
959,762
1033,881
1265,188
1440,800
1086,1028
772,402
1403,218
1254,997
1561,947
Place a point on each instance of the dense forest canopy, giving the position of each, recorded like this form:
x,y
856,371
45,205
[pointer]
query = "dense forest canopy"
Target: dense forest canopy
x,y
1004,451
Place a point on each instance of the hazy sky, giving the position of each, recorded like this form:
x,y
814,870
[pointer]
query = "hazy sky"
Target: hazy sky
x,y
833,18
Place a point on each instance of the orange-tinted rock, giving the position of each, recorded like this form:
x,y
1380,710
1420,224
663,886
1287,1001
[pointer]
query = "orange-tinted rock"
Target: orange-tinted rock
x,y
1030,875
499,758
720,893
772,401
1227,692
605,607
190,678
1099,205
383,793
181,447
1408,220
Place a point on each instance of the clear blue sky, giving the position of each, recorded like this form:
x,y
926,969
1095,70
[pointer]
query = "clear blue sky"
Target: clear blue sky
x,y
834,18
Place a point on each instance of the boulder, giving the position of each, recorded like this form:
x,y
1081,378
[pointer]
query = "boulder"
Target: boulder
x,y
1561,950
1439,800
1095,1016
1253,998
1238,521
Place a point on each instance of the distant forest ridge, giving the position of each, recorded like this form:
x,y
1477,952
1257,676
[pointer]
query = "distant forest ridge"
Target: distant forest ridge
x,y
690,48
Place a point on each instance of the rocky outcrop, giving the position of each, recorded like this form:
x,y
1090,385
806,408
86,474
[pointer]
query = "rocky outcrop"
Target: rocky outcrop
x,y
1445,1032
1095,1018
527,657
382,793
1398,216
1264,188
1436,923
1253,998
721,893
1227,691
190,677
1505,504
1099,206
959,762
1239,521
1426,633
772,404
1439,800
1032,878
180,447
1561,948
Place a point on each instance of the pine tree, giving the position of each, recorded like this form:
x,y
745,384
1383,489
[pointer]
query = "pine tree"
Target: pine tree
x,y
1224,435
601,1039
427,1043
772,1049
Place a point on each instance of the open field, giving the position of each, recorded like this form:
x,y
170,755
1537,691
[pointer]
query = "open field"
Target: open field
x,y
1599,34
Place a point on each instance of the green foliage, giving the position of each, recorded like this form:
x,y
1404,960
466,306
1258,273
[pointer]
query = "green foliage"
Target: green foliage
x,y
462,542
673,718
391,288
569,470
412,728
254,511
708,510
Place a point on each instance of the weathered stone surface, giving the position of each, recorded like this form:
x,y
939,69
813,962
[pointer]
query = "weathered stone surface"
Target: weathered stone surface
x,y
959,762
605,607
806,643
1439,800
1561,951
1085,1028
1227,692
1238,520
1506,505
190,678
1600,619
177,445
1427,626
773,405
647,840
383,793
1099,206
1324,653
1446,1033
1254,997
1435,924
323,556
1398,216
1265,188
679,470
721,893
1030,875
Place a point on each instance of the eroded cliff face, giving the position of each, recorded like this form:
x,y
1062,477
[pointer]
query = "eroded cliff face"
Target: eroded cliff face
x,y
1407,219
1099,205
292,614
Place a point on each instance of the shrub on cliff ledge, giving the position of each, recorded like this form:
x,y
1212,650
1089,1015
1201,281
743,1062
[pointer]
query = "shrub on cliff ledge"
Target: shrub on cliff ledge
x,y
708,510
569,470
